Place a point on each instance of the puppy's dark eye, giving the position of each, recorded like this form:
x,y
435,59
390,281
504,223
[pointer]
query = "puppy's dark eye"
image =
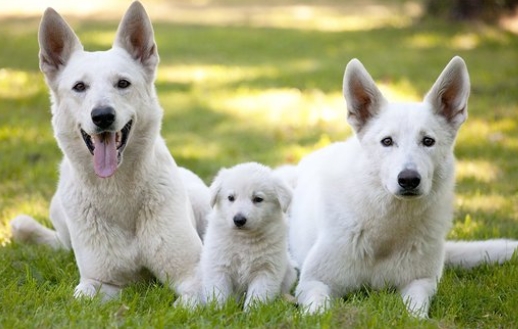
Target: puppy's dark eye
x,y
79,87
387,141
257,199
428,141
231,198
123,84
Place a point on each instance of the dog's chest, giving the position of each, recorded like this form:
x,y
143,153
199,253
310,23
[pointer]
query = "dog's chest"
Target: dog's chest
x,y
384,237
251,256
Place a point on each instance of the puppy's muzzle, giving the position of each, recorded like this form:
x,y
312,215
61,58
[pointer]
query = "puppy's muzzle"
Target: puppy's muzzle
x,y
239,220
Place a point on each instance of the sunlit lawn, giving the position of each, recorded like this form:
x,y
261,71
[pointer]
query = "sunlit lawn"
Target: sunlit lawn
x,y
262,82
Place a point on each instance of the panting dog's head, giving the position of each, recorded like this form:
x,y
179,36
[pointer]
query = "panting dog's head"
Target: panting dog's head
x,y
100,99
409,144
249,197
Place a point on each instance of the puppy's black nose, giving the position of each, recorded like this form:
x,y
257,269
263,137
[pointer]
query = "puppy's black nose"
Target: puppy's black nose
x,y
409,179
103,117
239,220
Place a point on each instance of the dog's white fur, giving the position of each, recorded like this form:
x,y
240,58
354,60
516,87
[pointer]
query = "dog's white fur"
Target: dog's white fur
x,y
375,210
251,258
139,215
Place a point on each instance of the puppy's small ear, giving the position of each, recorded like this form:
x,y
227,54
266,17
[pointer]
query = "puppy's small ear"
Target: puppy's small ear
x,y
57,42
449,94
284,194
215,188
364,100
135,35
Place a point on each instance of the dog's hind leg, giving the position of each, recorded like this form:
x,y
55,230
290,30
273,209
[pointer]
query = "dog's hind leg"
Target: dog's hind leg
x,y
417,296
26,229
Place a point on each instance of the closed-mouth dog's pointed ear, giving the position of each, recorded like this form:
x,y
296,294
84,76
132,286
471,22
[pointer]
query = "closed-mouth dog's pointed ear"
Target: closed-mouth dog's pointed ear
x,y
284,194
57,42
364,99
135,35
449,94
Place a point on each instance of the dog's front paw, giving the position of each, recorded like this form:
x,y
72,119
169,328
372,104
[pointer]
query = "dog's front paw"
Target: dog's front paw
x,y
91,288
313,297
187,301
86,290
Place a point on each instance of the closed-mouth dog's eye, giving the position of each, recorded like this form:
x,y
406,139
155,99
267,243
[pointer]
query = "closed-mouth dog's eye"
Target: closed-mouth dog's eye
x,y
123,84
231,198
257,199
79,87
387,141
428,141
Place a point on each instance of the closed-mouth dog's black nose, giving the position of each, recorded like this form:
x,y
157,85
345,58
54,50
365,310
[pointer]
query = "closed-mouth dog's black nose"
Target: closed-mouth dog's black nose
x,y
409,179
239,220
103,117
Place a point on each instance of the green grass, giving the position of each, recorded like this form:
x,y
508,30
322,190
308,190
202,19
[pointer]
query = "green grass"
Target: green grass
x,y
270,91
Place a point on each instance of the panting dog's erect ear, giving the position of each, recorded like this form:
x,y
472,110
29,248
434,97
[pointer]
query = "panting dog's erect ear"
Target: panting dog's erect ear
x,y
57,43
449,94
135,35
364,99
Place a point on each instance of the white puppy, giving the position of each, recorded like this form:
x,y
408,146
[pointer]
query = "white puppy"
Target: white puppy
x,y
245,247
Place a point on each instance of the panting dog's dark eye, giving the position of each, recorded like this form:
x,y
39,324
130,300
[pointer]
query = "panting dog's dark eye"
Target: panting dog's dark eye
x,y
79,87
257,199
387,142
123,84
428,141
231,198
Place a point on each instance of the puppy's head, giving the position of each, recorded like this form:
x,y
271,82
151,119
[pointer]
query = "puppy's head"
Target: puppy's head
x,y
249,197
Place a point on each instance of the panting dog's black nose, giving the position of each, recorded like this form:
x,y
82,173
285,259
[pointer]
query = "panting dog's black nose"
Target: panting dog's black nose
x,y
239,220
409,179
103,117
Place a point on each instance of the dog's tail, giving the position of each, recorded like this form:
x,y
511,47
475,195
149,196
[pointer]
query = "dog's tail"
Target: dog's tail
x,y
468,254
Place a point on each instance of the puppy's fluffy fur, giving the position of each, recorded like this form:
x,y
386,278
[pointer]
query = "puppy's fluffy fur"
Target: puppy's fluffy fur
x,y
245,247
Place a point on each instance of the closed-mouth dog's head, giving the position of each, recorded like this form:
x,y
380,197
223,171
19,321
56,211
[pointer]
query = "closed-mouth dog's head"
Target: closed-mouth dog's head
x,y
249,197
100,98
408,145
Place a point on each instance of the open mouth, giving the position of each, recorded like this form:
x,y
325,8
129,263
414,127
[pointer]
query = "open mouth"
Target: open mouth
x,y
106,148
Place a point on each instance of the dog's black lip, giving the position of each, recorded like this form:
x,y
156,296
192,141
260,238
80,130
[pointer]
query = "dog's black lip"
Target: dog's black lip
x,y
124,134
88,141
409,194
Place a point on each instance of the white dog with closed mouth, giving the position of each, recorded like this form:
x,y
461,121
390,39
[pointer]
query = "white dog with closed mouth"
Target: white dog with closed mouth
x,y
245,248
120,202
375,210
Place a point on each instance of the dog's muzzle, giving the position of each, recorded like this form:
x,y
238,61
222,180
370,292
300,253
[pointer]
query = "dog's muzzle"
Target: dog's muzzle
x,y
239,220
409,181
106,146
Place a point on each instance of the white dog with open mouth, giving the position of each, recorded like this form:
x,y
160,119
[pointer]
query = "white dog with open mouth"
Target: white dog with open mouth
x,y
245,249
120,202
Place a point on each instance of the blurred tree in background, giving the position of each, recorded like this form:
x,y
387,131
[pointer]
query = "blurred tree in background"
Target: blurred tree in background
x,y
485,10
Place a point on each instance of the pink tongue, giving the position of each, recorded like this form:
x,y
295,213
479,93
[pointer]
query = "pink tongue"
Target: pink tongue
x,y
105,154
